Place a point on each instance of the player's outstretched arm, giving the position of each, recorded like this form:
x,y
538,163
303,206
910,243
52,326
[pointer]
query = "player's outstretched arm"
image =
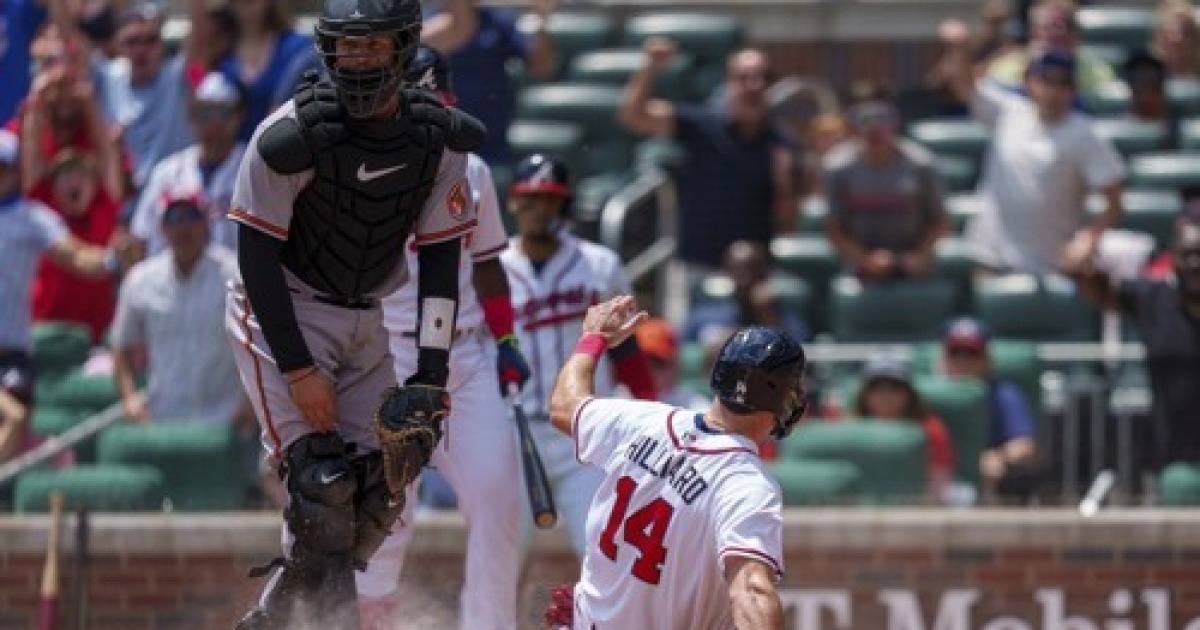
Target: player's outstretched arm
x,y
752,594
606,324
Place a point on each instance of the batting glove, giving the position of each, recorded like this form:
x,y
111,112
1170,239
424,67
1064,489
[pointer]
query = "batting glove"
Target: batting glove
x,y
510,364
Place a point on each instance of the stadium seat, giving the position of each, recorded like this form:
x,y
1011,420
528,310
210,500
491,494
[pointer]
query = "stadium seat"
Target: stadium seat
x,y
1150,211
1110,99
1179,485
59,347
1014,361
813,212
1026,307
574,32
889,454
901,311
100,488
1130,27
955,262
816,483
1190,136
792,293
558,139
814,260
1111,54
1132,137
692,368
605,147
661,153
958,173
963,407
1165,170
200,462
962,207
952,136
78,392
1184,96
708,37
616,65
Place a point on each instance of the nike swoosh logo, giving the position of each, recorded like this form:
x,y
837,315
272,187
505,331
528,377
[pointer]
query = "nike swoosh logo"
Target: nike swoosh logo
x,y
365,176
326,479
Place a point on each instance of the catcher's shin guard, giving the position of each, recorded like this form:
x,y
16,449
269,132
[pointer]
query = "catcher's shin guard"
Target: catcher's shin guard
x,y
376,508
314,586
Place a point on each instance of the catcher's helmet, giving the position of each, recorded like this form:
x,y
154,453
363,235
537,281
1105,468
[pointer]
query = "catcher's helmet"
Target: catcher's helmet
x,y
540,173
762,369
362,91
430,70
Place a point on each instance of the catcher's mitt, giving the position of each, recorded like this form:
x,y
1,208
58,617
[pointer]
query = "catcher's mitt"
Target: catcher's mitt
x,y
409,425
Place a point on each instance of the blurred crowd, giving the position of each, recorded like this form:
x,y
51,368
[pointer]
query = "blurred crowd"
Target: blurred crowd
x,y
133,143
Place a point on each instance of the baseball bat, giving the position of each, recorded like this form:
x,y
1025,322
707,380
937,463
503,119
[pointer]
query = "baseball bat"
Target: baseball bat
x,y
47,617
82,564
541,498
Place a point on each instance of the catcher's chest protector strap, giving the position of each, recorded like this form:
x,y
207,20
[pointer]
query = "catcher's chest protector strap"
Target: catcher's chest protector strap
x,y
371,179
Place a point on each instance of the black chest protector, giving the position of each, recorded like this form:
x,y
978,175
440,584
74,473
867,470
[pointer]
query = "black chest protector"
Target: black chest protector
x,y
370,181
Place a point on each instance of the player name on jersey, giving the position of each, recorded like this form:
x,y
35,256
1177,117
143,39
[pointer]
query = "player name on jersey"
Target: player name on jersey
x,y
661,460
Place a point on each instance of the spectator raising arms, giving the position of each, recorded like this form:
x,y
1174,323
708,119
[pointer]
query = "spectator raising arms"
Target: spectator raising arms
x,y
884,197
888,394
481,41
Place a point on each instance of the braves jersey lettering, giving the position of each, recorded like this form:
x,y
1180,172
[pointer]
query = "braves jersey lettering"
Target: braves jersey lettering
x,y
655,458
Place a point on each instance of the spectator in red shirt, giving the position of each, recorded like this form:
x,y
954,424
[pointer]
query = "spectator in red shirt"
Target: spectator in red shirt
x,y
74,190
888,394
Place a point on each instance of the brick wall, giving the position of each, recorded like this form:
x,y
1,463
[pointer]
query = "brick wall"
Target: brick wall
x,y
901,570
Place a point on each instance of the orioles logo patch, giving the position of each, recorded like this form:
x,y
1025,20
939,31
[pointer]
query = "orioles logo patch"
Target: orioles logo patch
x,y
456,201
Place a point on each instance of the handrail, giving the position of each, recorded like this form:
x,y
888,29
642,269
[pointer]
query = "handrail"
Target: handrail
x,y
651,184
54,445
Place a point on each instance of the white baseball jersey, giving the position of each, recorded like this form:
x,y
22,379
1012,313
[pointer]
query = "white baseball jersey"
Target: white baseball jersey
x,y
485,242
180,174
550,305
678,498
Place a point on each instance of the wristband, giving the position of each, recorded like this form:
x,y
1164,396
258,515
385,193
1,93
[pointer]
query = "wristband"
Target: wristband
x,y
592,344
499,315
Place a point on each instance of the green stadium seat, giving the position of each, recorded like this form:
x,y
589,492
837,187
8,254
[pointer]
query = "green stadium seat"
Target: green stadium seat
x,y
201,462
792,293
816,483
1165,170
1026,307
1111,54
1150,211
1014,361
901,311
606,147
963,207
1190,136
889,454
1179,485
616,65
812,259
813,212
956,262
1110,99
59,347
100,488
1130,27
661,153
708,37
574,33
558,139
953,136
1184,96
78,392
958,173
962,405
1132,137
692,368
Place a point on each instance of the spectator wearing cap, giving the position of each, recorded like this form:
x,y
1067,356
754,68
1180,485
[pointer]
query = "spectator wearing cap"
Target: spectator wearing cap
x,y
172,305
28,229
1006,463
1053,29
1043,161
1166,314
884,197
145,92
75,190
887,393
656,337
207,168
1146,76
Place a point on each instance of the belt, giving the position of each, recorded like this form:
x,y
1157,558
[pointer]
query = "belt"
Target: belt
x,y
458,334
357,304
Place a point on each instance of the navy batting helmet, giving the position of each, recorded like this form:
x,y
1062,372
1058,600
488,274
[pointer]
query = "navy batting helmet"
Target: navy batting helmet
x,y
430,70
362,91
542,174
762,369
